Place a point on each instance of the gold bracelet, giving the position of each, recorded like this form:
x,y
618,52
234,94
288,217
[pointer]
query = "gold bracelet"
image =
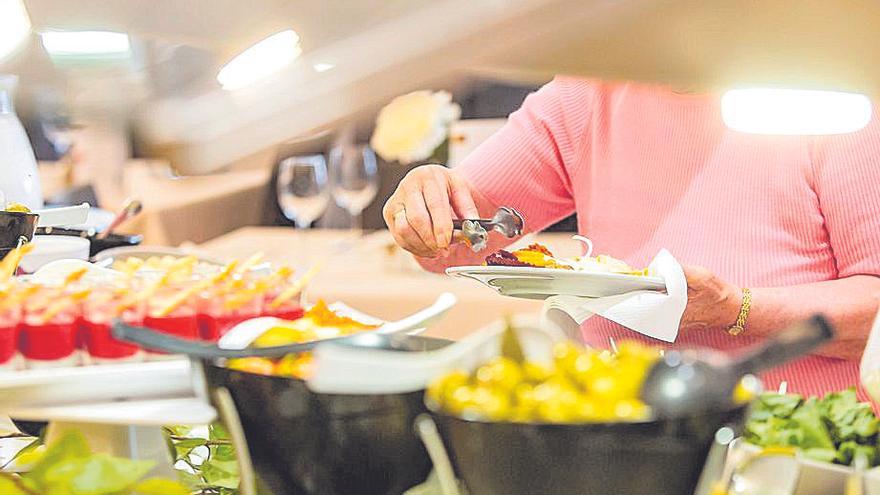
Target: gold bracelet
x,y
740,324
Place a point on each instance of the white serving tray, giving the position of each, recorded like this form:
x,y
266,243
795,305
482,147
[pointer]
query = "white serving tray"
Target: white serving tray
x,y
97,383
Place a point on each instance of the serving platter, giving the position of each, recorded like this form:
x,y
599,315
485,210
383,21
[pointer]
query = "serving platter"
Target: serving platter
x,y
99,383
541,283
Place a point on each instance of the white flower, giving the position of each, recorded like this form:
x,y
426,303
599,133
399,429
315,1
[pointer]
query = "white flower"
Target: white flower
x,y
412,126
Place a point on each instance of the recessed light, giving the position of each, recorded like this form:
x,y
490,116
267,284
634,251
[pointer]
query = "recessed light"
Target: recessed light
x,y
74,44
794,111
323,66
15,25
261,60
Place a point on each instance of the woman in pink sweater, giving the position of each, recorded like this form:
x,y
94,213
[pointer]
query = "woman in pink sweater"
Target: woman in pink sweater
x,y
792,221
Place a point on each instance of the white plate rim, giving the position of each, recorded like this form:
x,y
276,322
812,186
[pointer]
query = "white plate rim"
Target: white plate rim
x,y
550,273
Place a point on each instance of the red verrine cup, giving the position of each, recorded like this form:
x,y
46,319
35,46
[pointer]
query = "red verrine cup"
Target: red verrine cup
x,y
48,332
224,307
9,320
99,310
168,314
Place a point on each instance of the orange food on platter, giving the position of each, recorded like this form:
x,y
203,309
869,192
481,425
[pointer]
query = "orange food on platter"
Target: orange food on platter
x,y
319,322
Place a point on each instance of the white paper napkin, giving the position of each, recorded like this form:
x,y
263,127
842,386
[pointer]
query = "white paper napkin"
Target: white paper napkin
x,y
650,313
869,369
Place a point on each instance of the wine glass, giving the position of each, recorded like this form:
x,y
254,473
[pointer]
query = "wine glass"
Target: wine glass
x,y
355,180
302,188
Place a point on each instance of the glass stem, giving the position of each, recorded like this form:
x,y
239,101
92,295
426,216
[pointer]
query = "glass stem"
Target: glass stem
x,y
357,221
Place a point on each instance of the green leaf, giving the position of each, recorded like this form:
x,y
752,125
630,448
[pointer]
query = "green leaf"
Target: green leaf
x,y
191,481
809,417
177,430
71,445
160,486
511,347
220,473
223,452
27,451
9,487
218,432
182,448
99,474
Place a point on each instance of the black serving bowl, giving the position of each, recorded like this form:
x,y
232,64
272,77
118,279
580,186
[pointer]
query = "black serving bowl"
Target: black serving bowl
x,y
644,458
302,442
97,245
14,226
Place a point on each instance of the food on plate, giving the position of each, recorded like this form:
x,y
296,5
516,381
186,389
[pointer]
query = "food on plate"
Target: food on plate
x,y
319,322
175,267
836,428
539,256
581,386
17,207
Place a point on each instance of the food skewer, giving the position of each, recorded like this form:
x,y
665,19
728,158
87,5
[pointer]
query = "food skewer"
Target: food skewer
x,y
181,297
297,286
10,261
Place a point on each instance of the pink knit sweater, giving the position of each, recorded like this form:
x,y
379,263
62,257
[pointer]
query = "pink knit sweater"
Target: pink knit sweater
x,y
646,168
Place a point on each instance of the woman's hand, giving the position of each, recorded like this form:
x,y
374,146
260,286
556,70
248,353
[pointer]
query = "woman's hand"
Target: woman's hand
x,y
713,304
420,212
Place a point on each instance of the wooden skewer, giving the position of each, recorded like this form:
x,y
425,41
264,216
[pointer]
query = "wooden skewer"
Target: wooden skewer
x,y
181,297
297,286
260,287
148,292
12,259
74,276
62,304
250,262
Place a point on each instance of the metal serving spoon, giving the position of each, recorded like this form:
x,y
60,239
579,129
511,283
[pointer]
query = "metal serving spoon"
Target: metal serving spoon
x,y
507,221
386,333
693,381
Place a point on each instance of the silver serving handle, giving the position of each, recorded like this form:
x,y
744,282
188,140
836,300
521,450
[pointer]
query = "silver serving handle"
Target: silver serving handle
x,y
475,232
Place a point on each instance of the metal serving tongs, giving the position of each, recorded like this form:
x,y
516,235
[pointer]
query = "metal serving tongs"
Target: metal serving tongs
x,y
475,232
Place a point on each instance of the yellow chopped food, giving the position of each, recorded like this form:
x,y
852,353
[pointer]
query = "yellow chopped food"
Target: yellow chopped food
x,y
18,207
581,386
319,322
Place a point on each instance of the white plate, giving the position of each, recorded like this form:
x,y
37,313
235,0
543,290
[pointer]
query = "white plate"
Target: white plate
x,y
96,383
541,283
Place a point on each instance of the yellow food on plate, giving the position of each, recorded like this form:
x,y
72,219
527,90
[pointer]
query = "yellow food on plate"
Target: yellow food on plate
x,y
581,386
319,322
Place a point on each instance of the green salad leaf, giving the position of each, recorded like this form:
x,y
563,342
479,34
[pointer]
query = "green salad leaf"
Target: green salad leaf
x,y
836,428
69,467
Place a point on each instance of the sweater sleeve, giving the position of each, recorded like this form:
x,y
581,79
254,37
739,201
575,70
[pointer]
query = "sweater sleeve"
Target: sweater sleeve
x,y
526,163
847,171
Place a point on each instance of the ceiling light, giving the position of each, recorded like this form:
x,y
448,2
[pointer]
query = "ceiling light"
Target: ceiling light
x,y
794,111
323,66
86,44
260,60
15,25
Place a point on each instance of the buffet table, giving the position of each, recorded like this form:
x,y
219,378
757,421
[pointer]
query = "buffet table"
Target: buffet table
x,y
374,277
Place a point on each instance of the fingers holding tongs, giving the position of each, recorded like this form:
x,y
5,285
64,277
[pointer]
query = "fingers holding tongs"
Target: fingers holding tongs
x,y
475,232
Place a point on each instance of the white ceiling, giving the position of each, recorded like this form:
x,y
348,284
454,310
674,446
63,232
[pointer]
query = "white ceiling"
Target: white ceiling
x,y
382,48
